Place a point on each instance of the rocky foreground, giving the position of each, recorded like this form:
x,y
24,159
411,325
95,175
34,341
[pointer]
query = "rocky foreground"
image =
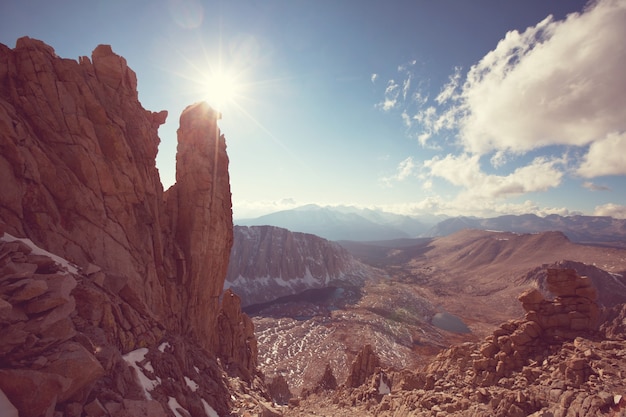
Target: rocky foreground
x,y
567,357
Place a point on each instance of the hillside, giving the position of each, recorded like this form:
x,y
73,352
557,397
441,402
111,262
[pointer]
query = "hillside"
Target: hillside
x,y
268,262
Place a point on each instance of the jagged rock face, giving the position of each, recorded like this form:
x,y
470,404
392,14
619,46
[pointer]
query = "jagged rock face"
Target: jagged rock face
x,y
268,262
77,162
78,177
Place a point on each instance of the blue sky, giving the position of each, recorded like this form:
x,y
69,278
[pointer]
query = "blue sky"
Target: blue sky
x,y
450,107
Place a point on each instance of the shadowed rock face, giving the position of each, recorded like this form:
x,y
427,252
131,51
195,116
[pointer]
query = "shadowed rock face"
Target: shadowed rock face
x,y
77,162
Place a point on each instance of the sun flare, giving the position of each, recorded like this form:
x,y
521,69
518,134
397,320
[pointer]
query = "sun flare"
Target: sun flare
x,y
222,88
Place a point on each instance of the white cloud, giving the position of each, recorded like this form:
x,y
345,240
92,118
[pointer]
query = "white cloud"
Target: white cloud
x,y
374,77
437,205
606,156
465,171
392,88
559,82
613,210
406,119
555,83
406,86
498,159
392,91
404,170
595,187
448,90
555,86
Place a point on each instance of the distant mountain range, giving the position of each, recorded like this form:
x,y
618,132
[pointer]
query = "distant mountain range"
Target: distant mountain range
x,y
344,223
581,229
355,224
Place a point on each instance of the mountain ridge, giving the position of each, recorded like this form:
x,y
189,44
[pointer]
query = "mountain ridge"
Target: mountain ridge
x,y
347,223
269,262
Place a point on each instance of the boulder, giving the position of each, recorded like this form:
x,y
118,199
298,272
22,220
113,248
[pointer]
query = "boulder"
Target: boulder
x,y
33,393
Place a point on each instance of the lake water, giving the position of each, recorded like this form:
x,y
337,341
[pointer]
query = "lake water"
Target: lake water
x,y
450,323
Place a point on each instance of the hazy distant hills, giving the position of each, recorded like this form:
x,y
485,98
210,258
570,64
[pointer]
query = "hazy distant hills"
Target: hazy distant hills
x,y
583,229
351,223
343,223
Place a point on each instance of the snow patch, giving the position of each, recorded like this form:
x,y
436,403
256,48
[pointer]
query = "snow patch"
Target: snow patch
x,y
163,346
36,250
193,385
174,405
383,388
208,409
132,359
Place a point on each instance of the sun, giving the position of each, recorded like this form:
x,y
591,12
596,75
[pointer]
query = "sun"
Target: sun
x,y
222,88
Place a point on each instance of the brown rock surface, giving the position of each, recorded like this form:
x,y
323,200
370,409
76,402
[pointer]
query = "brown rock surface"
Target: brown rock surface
x,y
202,219
77,158
279,390
363,367
77,162
236,342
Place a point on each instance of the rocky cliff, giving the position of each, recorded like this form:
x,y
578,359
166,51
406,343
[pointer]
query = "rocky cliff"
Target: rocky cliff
x,y
128,269
268,262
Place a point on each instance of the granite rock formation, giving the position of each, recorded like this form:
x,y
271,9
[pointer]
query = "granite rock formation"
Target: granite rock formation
x,y
119,314
268,262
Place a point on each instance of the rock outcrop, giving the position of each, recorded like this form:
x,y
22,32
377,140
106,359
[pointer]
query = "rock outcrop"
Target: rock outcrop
x,y
120,317
363,366
268,262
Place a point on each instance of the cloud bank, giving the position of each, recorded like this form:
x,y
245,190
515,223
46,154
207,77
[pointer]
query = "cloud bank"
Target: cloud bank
x,y
557,83
556,88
